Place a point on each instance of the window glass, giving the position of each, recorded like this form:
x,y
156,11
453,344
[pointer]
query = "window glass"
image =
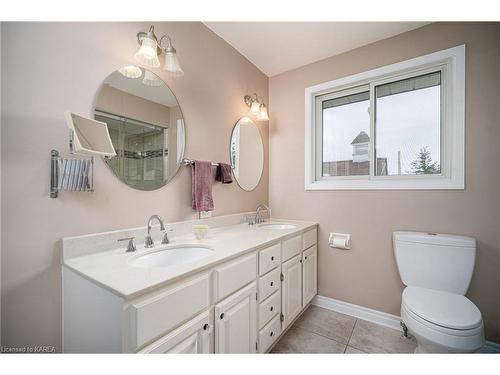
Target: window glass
x,y
346,129
408,126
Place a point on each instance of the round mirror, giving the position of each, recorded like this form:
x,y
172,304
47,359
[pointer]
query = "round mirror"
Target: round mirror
x,y
146,127
246,154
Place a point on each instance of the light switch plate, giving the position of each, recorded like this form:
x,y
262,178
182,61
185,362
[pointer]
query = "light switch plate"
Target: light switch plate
x,y
205,214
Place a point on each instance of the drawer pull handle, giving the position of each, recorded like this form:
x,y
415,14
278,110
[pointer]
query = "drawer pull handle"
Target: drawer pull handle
x,y
206,327
271,334
272,258
272,308
272,283
222,316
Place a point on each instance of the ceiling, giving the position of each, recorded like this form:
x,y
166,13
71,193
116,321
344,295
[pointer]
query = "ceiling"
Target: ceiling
x,y
276,47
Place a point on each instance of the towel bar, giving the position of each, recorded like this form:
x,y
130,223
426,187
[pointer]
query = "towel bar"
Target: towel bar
x,y
187,162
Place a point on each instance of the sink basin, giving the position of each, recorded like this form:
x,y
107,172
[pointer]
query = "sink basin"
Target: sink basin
x,y
172,256
278,226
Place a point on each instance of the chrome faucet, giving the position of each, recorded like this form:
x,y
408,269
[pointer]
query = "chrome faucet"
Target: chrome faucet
x,y
258,216
149,241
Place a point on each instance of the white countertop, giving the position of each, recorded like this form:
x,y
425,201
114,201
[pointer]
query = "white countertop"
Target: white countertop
x,y
112,269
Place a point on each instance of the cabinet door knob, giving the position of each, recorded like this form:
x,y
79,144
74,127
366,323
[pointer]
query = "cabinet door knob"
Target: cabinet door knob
x,y
222,316
206,327
272,283
272,333
272,258
272,308
305,258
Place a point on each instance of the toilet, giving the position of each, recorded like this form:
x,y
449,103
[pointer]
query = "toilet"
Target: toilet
x,y
437,270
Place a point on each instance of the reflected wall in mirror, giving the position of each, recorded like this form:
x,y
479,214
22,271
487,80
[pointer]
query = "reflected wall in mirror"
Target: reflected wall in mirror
x,y
145,124
246,154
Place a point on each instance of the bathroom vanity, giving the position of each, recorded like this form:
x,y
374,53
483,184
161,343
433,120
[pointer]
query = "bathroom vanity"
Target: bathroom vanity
x,y
235,291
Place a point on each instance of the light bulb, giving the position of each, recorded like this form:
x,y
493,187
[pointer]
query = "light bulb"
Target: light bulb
x,y
147,53
131,71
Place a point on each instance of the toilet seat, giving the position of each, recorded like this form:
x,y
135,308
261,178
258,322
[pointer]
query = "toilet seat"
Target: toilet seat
x,y
452,312
428,314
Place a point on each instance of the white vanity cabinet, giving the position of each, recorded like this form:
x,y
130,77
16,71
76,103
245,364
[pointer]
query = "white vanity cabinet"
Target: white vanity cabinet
x,y
242,305
236,322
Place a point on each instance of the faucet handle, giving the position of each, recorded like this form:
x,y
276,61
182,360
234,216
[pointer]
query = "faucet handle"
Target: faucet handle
x,y
165,239
131,244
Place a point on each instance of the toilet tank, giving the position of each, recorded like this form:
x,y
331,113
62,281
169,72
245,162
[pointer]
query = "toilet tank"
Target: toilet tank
x,y
436,261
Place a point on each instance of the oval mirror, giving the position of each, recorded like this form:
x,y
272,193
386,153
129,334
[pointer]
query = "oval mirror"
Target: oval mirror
x,y
146,127
246,154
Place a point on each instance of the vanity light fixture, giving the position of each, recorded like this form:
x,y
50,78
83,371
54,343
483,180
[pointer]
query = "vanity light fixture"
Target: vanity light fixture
x,y
150,48
263,113
257,107
131,71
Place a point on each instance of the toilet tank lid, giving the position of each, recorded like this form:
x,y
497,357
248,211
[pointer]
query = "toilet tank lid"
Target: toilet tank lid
x,y
435,239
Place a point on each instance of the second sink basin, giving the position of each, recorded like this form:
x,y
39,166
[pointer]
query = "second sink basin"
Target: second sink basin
x,y
278,226
172,256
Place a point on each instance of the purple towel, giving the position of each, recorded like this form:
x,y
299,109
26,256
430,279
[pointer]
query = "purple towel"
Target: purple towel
x,y
201,186
224,173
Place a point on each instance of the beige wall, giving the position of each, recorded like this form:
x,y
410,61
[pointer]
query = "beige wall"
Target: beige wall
x,y
367,274
63,68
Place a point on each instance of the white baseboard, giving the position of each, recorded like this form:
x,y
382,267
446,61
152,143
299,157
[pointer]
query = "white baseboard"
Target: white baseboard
x,y
361,312
377,317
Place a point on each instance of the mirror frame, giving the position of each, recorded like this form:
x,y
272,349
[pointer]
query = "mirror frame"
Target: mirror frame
x,y
263,155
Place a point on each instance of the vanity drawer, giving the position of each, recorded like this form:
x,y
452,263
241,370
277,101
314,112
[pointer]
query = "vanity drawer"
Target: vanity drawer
x,y
269,308
153,316
234,275
309,238
268,284
269,334
269,259
291,247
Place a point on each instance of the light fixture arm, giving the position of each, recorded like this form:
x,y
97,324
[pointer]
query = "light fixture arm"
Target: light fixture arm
x,y
249,100
169,47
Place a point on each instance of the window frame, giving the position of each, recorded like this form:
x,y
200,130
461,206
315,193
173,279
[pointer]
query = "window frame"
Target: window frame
x,y
451,64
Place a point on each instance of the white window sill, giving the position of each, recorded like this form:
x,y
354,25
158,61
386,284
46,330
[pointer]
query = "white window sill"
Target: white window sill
x,y
409,183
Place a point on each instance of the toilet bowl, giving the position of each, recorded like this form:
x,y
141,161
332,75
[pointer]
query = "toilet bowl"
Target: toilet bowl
x,y
437,270
442,322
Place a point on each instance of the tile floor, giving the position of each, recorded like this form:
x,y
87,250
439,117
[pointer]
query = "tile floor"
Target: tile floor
x,y
320,330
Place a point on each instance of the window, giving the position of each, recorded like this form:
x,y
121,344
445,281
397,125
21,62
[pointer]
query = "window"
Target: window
x,y
395,127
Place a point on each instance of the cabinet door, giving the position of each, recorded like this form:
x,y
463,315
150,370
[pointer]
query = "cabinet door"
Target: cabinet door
x,y
192,337
291,289
309,274
236,322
